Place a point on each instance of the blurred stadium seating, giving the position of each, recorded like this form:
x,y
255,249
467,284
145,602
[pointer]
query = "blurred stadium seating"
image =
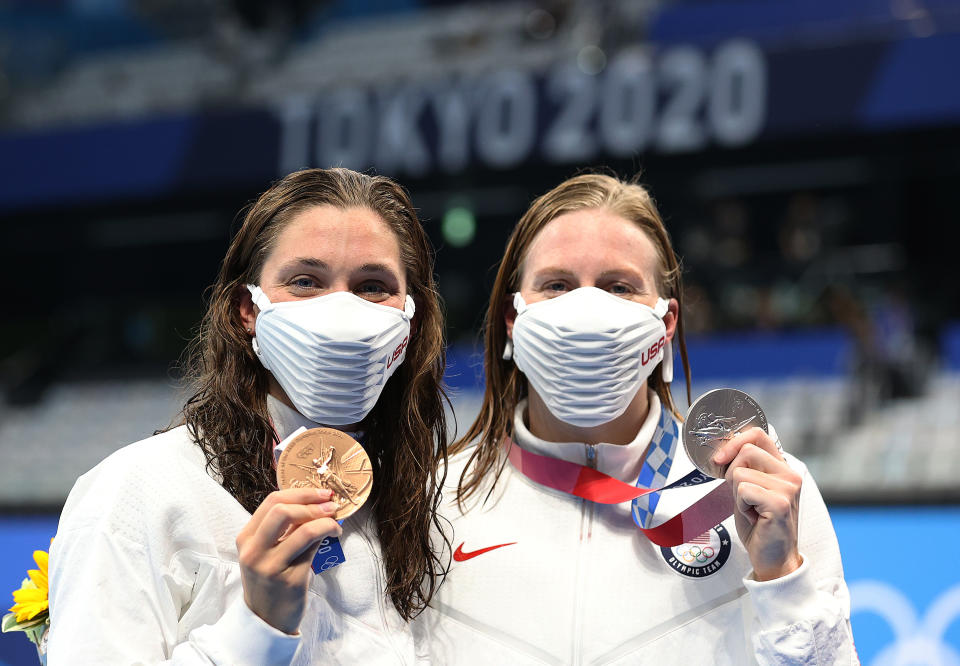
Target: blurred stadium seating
x,y
902,450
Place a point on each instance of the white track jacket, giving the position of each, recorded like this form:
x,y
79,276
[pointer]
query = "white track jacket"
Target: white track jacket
x,y
542,577
144,570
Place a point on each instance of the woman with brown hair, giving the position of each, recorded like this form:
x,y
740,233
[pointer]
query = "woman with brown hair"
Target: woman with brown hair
x,y
561,557
180,548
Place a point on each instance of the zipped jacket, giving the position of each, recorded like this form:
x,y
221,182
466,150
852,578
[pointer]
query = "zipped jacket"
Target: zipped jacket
x,y
543,577
144,570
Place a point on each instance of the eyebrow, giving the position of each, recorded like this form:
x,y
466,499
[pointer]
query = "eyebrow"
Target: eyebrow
x,y
376,268
324,266
623,271
306,261
553,270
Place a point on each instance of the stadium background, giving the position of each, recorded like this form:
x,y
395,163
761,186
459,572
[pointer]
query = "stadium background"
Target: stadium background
x,y
805,155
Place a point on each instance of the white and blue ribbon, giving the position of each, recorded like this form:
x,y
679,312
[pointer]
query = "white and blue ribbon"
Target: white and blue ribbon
x,y
656,469
329,555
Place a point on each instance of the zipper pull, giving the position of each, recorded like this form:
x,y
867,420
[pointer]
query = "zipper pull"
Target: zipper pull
x,y
591,456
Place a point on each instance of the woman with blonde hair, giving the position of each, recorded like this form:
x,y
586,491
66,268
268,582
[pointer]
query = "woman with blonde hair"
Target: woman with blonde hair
x,y
554,562
181,549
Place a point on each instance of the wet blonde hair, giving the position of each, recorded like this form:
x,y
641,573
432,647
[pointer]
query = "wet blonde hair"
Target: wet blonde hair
x,y
505,384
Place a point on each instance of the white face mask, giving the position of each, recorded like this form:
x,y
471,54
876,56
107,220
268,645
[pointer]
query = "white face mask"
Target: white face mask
x,y
332,354
588,352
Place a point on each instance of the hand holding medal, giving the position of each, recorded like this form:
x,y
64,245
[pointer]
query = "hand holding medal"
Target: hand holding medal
x,y
275,550
726,436
324,476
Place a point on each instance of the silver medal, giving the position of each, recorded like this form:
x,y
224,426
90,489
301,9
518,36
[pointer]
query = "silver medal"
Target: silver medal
x,y
714,418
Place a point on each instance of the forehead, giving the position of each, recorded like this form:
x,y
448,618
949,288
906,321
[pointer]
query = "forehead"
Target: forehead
x,y
336,235
592,241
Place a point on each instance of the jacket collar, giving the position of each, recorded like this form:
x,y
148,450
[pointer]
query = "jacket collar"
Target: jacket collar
x,y
286,419
621,461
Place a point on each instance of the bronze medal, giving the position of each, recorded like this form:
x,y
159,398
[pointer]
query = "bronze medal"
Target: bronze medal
x,y
328,458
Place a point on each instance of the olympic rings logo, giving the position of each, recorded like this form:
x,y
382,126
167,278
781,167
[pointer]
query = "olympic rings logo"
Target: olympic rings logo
x,y
694,553
329,563
917,639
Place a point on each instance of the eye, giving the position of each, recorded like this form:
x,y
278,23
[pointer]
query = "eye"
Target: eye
x,y
555,287
303,282
304,286
620,289
372,291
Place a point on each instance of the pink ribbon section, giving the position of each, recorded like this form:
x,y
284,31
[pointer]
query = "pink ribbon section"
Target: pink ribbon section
x,y
572,478
595,486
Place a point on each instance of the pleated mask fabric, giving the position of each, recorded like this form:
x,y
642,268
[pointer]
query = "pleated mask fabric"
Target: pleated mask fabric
x,y
588,352
332,354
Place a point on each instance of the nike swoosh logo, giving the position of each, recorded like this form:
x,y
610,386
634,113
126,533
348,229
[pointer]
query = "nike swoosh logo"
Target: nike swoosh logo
x,y
461,556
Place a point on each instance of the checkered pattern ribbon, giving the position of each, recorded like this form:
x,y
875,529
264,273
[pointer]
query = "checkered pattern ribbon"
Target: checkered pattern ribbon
x,y
595,486
656,468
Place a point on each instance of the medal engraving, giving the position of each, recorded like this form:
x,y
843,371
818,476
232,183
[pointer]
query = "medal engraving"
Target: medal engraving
x,y
714,418
328,458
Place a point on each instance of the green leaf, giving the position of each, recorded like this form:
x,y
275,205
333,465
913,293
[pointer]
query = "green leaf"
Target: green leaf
x,y
35,634
10,622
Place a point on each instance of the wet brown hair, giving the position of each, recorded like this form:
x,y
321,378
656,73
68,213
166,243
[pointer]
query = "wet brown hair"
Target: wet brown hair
x,y
505,384
406,430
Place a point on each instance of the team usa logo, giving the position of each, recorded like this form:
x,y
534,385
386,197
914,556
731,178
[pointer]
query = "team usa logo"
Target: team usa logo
x,y
398,351
702,556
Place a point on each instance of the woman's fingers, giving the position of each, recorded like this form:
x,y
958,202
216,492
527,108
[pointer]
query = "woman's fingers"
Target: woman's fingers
x,y
740,475
299,543
301,496
295,551
754,436
755,467
275,549
283,519
755,457
756,500
748,497
766,492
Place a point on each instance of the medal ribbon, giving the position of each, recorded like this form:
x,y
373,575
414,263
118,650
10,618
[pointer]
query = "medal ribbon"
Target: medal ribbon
x,y
595,486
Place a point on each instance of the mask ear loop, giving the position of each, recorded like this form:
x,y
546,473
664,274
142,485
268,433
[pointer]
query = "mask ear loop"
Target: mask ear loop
x,y
259,297
409,307
666,365
519,305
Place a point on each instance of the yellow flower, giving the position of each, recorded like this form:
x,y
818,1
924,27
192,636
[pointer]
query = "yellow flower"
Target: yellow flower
x,y
31,599
39,578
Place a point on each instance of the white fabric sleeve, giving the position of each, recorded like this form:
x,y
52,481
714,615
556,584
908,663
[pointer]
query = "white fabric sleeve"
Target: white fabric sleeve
x,y
804,617
116,600
240,637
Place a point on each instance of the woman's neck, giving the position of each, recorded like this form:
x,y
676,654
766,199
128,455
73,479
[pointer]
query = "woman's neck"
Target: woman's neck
x,y
276,391
621,430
